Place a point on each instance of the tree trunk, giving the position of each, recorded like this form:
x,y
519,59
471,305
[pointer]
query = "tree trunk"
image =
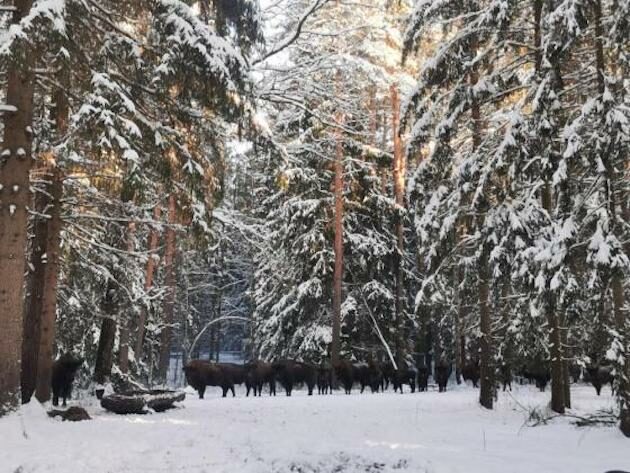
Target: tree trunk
x,y
169,282
123,340
148,283
48,316
617,277
486,386
45,356
399,173
460,339
34,293
15,159
105,350
338,246
486,365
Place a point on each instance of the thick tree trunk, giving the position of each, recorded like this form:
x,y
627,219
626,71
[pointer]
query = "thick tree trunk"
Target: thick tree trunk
x,y
169,282
152,263
105,350
555,336
123,339
45,356
34,292
399,173
15,155
486,365
338,246
617,276
555,350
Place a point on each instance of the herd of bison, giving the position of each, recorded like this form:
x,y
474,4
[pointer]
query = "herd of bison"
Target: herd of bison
x,y
377,376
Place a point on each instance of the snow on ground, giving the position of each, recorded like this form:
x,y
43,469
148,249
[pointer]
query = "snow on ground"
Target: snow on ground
x,y
374,433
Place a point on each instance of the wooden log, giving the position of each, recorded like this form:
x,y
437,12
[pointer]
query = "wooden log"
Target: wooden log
x,y
138,402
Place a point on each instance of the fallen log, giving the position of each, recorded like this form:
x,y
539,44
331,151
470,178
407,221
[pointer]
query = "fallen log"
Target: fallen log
x,y
72,414
140,401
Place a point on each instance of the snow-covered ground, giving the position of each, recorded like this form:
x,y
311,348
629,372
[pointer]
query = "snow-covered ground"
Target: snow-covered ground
x,y
375,433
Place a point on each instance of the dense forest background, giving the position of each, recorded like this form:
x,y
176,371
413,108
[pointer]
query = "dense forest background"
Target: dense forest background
x,y
421,181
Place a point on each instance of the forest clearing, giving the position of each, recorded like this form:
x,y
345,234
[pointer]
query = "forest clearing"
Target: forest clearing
x,y
377,433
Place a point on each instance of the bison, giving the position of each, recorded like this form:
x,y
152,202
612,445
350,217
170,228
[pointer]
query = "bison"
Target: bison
x,y
324,378
442,374
259,373
600,375
423,378
505,376
290,373
345,372
63,372
471,372
201,373
404,375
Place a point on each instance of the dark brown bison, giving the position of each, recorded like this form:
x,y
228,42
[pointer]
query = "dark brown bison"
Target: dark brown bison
x,y
63,372
259,373
423,378
404,375
345,373
290,373
368,374
505,375
575,371
201,373
388,375
600,375
470,372
324,378
442,374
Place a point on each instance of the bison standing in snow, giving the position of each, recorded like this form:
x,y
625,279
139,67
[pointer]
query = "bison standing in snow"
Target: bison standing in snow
x,y
290,373
404,375
471,372
63,372
259,373
324,378
600,375
442,373
423,378
345,373
201,373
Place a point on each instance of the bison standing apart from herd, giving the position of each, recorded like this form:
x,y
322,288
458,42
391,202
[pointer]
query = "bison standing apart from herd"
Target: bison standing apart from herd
x,y
373,375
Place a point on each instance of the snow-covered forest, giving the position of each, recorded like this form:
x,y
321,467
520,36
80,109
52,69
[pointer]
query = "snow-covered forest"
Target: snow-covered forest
x,y
430,196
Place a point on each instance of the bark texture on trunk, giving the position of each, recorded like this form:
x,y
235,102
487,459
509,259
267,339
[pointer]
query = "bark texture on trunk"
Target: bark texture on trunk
x,y
45,356
105,350
34,292
15,159
338,246
170,283
152,263
399,173
486,365
123,340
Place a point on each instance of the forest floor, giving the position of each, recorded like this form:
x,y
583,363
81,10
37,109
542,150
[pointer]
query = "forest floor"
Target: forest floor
x,y
374,433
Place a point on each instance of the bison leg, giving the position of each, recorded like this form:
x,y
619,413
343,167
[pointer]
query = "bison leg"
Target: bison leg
x,y
225,390
55,399
201,391
232,389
